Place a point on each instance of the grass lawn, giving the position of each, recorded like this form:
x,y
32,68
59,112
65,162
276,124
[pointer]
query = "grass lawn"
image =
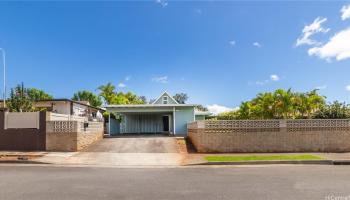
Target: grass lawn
x,y
261,158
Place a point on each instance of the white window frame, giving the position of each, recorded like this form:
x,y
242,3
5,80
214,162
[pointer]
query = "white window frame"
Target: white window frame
x,y
165,100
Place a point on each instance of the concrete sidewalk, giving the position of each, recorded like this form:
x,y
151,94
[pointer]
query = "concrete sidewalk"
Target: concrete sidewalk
x,y
148,159
94,158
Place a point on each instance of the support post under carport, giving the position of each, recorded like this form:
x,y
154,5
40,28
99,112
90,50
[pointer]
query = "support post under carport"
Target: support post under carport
x,y
109,124
174,116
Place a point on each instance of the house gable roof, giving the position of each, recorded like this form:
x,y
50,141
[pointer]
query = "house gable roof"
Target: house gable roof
x,y
171,100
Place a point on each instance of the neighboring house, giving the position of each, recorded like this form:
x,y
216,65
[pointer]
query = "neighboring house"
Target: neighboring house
x,y
68,107
164,115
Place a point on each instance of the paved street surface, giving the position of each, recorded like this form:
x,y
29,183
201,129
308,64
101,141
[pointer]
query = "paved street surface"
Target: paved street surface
x,y
243,182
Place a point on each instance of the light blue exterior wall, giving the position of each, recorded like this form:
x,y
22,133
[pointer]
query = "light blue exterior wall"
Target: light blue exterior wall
x,y
115,127
182,117
200,117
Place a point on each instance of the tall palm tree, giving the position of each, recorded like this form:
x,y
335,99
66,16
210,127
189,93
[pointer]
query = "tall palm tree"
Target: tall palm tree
x,y
283,103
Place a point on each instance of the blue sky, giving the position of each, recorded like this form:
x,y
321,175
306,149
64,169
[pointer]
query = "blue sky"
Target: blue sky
x,y
217,52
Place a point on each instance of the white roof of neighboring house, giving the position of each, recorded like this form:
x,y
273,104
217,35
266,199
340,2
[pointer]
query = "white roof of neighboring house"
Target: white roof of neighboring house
x,y
206,113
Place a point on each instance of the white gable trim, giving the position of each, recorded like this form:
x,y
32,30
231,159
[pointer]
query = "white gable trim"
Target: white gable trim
x,y
172,98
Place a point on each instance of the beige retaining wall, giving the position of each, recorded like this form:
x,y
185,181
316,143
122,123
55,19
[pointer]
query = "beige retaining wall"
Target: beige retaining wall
x,y
71,135
262,136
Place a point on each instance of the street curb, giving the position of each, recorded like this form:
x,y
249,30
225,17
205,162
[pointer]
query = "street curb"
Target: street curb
x,y
341,162
273,162
21,162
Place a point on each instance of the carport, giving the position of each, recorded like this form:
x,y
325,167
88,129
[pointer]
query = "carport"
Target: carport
x,y
164,115
141,119
144,122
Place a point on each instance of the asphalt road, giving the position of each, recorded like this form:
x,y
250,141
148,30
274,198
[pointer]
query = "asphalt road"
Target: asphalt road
x,y
252,182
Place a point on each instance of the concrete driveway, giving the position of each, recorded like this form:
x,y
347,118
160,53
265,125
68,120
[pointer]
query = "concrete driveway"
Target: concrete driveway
x,y
137,144
126,151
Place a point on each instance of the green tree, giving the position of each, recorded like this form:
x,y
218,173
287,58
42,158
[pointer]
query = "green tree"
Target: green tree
x,y
85,95
127,98
281,104
107,92
228,115
37,94
181,98
201,108
19,100
314,103
335,110
142,99
262,106
119,99
244,111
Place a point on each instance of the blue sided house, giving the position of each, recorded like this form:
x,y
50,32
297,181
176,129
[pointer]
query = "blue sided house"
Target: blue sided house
x,y
164,115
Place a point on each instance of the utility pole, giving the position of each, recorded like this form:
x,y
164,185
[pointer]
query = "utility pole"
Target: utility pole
x,y
4,83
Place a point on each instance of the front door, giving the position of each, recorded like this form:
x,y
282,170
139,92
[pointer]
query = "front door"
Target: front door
x,y
166,123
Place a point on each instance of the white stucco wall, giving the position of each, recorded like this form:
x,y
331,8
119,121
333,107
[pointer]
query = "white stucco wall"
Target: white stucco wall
x,y
61,107
79,110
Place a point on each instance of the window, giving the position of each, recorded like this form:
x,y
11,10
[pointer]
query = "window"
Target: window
x,y
165,100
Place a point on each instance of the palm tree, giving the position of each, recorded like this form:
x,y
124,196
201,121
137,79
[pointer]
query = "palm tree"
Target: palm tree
x,y
244,110
262,106
107,92
314,102
283,103
85,95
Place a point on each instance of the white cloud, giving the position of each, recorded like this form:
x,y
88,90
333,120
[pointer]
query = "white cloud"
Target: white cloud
x,y
309,30
274,77
163,3
160,79
232,43
256,44
345,12
121,85
127,78
321,87
261,82
216,109
337,47
347,87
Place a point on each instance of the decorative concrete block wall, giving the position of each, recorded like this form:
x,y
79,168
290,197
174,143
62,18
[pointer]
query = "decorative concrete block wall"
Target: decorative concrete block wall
x,y
262,136
71,135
